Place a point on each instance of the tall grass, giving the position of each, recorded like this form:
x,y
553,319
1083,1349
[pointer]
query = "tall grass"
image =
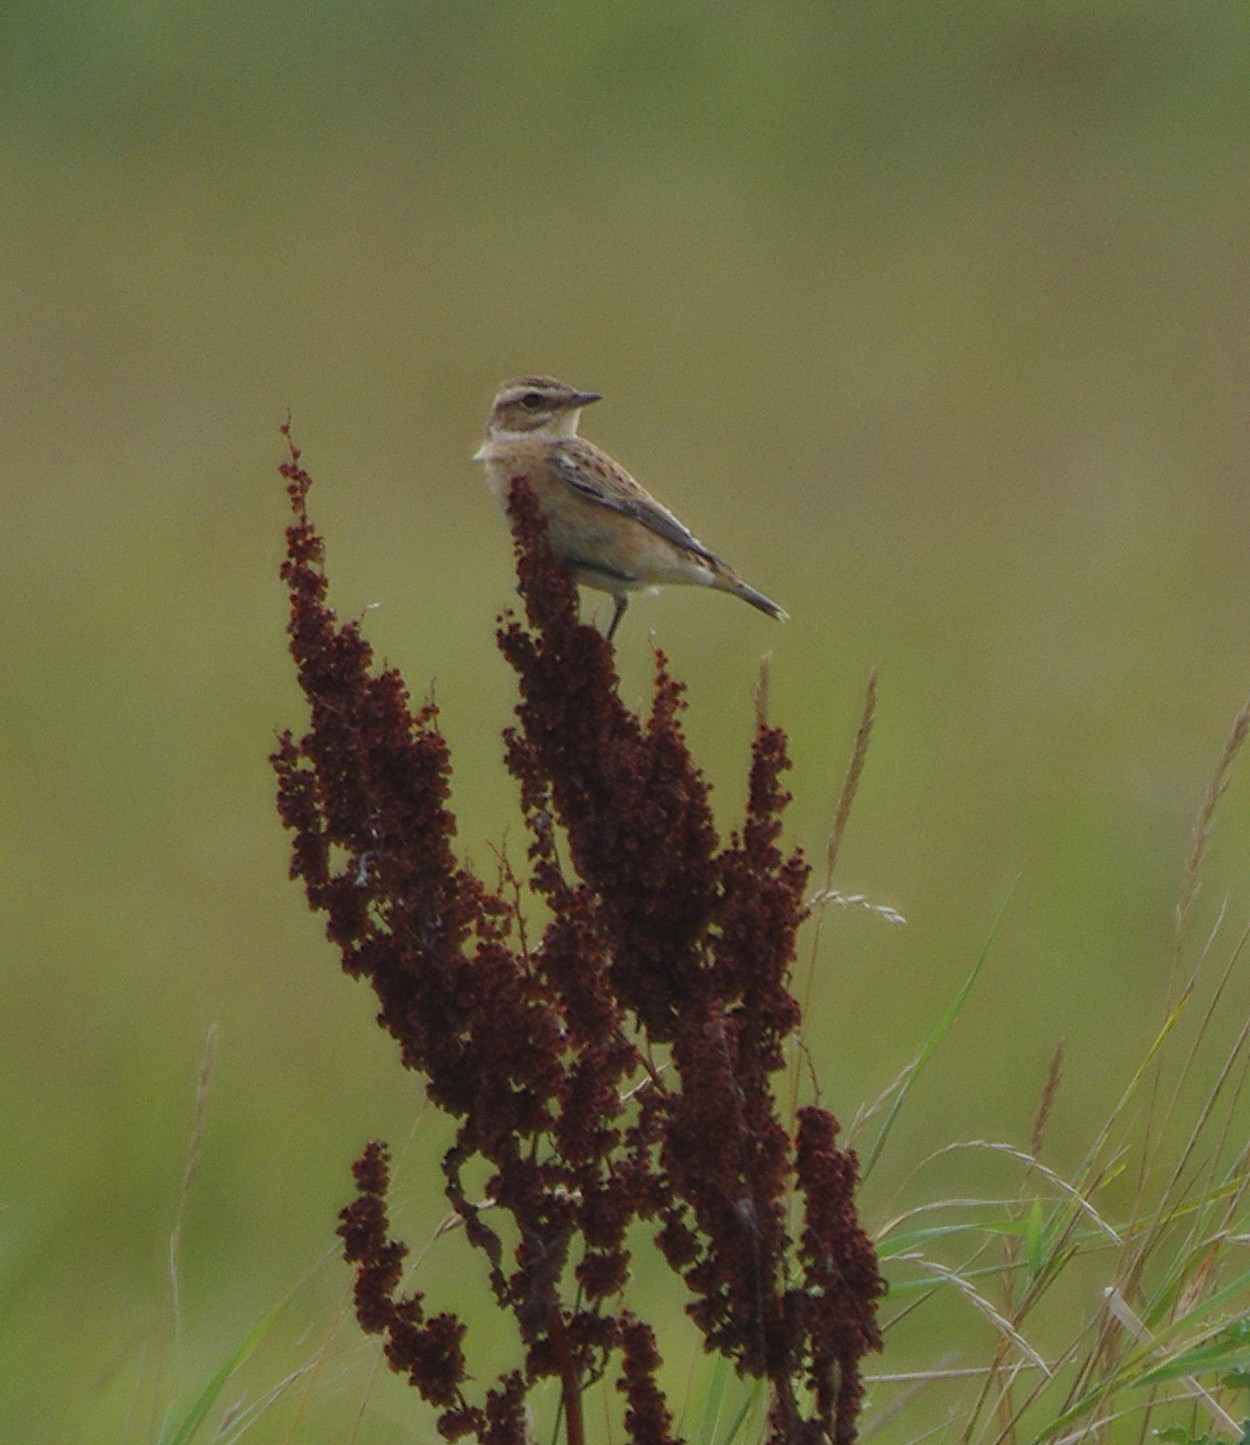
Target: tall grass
x,y
1145,1243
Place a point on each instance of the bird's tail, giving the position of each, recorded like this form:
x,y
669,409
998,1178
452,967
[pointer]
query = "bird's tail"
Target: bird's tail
x,y
728,582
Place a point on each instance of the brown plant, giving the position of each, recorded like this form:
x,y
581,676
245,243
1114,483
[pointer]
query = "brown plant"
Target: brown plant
x,y
659,938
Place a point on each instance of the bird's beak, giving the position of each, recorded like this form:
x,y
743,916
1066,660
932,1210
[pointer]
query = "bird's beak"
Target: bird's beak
x,y
584,398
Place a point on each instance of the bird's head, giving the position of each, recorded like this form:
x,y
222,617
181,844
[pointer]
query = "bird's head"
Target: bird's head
x,y
537,406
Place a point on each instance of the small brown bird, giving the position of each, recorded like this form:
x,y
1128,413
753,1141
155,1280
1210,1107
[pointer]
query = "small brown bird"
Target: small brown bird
x,y
610,531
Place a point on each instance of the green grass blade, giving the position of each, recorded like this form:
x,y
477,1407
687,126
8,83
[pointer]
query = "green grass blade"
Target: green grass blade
x,y
743,1414
931,1044
181,1429
713,1402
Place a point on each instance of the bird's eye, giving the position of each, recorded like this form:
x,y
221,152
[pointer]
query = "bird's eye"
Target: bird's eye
x,y
532,400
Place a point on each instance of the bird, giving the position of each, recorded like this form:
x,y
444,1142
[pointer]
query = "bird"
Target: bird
x,y
609,531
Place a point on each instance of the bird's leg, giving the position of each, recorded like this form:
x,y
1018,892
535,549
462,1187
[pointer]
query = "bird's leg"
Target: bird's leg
x,y
621,600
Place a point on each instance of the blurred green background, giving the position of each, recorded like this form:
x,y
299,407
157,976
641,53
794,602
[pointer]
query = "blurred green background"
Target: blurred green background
x,y
931,317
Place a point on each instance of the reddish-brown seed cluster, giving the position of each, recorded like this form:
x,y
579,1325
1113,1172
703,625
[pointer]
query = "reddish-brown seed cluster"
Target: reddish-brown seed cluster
x,y
543,1051
840,1276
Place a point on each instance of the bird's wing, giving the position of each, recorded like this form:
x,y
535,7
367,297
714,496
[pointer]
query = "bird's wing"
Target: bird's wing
x,y
593,474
